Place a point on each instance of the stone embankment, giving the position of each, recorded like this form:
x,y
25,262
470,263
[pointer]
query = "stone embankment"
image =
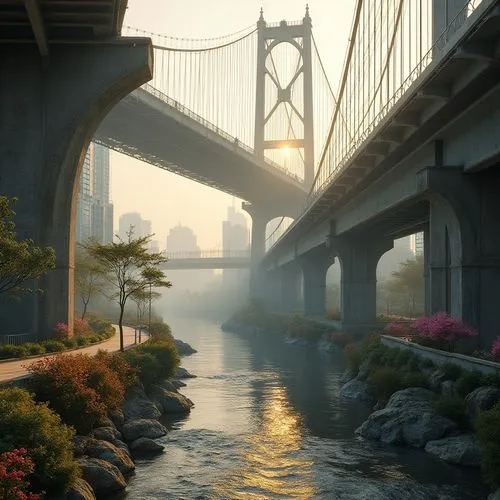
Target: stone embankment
x,y
106,454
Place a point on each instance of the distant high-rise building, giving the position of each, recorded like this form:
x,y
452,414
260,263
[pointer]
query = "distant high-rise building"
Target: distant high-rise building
x,y
182,239
141,227
94,213
417,243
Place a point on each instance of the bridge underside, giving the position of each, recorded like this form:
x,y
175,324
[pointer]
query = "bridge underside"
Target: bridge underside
x,y
147,128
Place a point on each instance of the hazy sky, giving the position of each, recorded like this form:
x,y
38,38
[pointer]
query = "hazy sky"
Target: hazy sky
x,y
165,198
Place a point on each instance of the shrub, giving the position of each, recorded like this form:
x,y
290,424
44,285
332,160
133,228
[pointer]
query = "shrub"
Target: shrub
x,y
354,355
81,341
100,326
53,346
127,375
166,354
491,379
80,326
78,387
25,424
12,351
161,331
430,342
495,349
146,364
469,381
93,338
487,428
452,407
451,371
61,331
385,381
15,468
398,330
442,327
340,339
33,349
414,379
70,343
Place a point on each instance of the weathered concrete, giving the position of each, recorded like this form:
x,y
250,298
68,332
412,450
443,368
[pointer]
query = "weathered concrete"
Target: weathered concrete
x,y
50,109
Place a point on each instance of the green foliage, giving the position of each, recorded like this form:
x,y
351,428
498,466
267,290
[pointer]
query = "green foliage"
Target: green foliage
x,y
99,325
414,379
78,387
53,346
451,371
20,261
12,351
147,365
487,428
298,327
33,349
25,424
70,343
385,381
161,331
426,341
127,375
453,407
166,353
469,381
82,341
491,379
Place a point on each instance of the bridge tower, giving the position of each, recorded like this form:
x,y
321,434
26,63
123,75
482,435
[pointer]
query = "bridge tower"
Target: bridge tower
x,y
269,37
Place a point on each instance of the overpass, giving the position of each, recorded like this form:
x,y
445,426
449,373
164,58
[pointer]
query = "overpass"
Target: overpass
x,y
426,160
207,259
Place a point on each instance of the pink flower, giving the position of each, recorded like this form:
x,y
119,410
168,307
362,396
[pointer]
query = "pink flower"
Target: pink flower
x,y
440,326
495,349
398,329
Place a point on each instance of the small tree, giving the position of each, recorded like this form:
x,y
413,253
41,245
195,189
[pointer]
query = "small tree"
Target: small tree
x,y
409,280
130,267
89,278
142,300
20,261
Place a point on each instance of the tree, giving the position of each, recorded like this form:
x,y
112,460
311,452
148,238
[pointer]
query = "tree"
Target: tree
x,y
142,300
130,267
20,261
89,278
409,279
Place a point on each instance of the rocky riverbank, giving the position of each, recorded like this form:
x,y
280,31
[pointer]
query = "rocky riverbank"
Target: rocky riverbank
x,y
106,455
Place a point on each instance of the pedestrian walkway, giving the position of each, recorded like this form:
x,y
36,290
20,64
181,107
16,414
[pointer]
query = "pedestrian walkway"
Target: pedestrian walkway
x,y
10,370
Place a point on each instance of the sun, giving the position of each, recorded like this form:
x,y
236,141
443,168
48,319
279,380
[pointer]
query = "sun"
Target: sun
x,y
286,150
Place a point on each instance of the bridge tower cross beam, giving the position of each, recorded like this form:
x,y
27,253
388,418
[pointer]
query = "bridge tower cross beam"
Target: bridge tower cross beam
x,y
300,36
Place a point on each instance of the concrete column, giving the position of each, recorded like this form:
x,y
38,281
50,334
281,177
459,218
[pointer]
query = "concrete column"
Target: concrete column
x,y
358,261
427,292
465,246
290,279
260,218
314,266
50,109
447,15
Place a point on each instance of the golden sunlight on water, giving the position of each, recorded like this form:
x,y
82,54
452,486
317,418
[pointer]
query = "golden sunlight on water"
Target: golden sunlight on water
x,y
272,465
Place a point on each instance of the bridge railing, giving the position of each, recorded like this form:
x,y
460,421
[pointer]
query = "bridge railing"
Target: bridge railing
x,y
214,128
209,254
18,338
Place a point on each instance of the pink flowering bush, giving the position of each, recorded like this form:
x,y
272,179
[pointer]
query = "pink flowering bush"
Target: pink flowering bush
x,y
80,326
399,330
15,468
61,331
495,349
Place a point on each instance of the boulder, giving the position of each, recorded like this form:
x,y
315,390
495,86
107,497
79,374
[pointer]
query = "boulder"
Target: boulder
x,y
364,370
183,373
436,378
146,445
449,388
79,445
137,405
183,348
170,402
81,490
177,383
481,399
110,453
358,390
104,478
347,376
407,419
123,446
143,427
117,417
494,496
106,434
460,450
171,385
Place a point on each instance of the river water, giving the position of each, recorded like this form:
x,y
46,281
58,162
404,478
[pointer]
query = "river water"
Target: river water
x,y
268,422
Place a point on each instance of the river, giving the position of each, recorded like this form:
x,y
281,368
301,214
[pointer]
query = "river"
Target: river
x,y
268,422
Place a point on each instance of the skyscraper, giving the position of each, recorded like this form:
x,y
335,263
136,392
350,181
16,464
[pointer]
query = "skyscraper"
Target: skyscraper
x,y
141,226
94,215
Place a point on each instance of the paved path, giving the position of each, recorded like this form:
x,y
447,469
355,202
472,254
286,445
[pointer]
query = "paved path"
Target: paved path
x,y
16,369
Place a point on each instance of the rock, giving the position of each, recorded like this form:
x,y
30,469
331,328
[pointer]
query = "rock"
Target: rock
x,y
123,446
146,445
135,429
460,450
436,378
494,496
81,490
79,445
104,422
347,376
137,405
110,453
449,388
364,370
481,399
358,390
183,373
177,383
183,348
104,478
407,419
109,434
170,385
170,402
117,417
